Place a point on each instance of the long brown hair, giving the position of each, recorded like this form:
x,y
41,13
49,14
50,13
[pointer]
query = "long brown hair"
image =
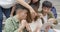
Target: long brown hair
x,y
29,18
36,6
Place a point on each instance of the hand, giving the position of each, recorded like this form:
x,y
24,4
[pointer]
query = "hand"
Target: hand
x,y
34,1
41,15
53,21
28,27
22,25
33,13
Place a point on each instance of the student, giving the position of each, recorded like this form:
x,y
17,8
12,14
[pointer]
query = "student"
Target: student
x,y
45,12
13,24
5,7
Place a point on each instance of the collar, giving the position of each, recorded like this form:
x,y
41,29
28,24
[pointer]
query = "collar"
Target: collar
x,y
15,18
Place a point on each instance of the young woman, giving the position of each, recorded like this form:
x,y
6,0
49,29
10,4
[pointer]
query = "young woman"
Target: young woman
x,y
5,7
33,23
17,22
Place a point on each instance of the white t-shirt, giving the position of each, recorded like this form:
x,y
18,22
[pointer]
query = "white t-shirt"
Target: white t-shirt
x,y
45,18
7,3
33,25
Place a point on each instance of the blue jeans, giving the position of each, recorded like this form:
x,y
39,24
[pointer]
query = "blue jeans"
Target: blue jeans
x,y
7,14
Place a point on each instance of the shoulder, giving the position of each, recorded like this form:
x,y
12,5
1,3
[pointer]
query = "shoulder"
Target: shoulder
x,y
9,20
50,14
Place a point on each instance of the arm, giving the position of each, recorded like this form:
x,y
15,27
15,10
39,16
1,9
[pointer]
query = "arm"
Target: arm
x,y
25,5
28,27
22,26
12,12
39,25
28,7
52,16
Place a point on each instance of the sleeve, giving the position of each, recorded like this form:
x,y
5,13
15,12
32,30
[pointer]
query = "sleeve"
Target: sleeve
x,y
51,15
9,27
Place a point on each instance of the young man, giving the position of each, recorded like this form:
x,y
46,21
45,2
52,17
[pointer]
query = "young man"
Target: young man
x,y
13,24
46,13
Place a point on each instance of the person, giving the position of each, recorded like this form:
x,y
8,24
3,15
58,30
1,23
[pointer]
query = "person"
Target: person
x,y
7,4
45,13
34,22
14,24
53,9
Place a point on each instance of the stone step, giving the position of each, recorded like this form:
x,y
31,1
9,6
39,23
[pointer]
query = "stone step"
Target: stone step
x,y
58,15
57,26
58,7
55,2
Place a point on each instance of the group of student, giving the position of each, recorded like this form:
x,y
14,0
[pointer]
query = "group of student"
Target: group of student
x,y
25,17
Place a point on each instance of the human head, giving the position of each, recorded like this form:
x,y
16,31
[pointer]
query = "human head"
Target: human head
x,y
21,12
34,1
46,6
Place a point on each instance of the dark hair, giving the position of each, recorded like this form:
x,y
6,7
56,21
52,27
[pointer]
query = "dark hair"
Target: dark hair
x,y
47,4
18,6
37,4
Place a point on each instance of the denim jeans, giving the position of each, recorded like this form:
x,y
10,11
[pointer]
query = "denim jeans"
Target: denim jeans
x,y
7,14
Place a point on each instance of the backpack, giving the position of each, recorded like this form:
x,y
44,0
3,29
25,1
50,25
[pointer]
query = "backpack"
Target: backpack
x,y
53,9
